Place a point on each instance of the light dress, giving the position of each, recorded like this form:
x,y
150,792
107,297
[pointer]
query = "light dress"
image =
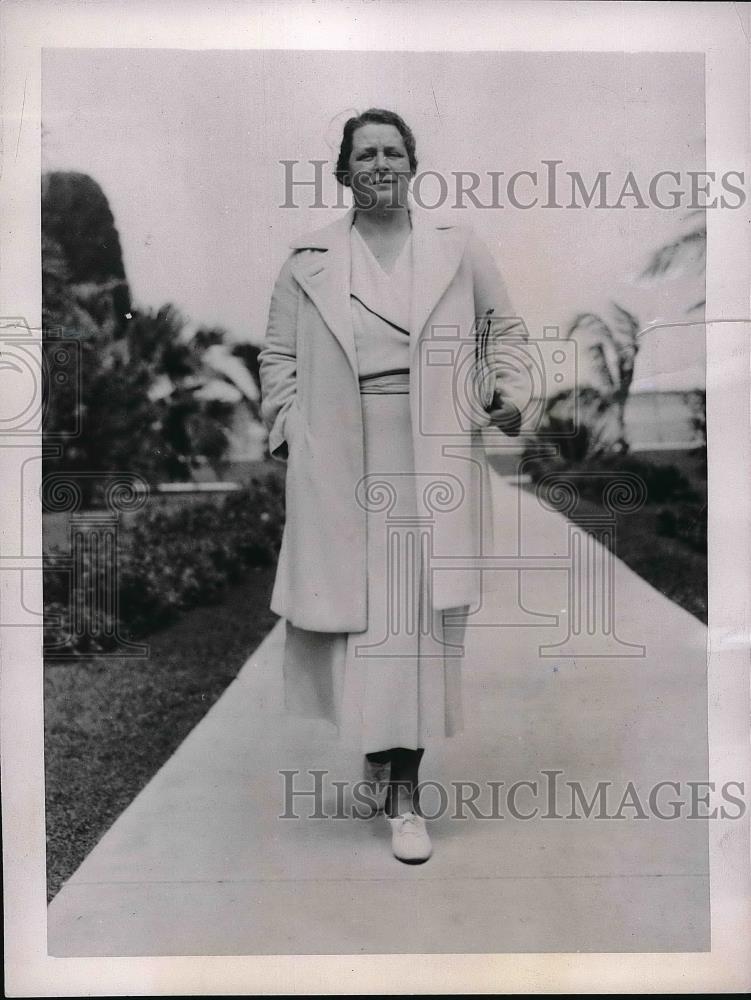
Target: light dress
x,y
398,683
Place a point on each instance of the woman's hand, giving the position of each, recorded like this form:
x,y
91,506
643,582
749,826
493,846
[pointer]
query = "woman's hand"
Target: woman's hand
x,y
505,416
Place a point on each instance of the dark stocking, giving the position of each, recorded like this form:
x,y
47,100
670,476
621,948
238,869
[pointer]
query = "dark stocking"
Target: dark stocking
x,y
403,794
405,766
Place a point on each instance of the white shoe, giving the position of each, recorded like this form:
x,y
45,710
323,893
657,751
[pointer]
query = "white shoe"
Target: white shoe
x,y
377,777
409,838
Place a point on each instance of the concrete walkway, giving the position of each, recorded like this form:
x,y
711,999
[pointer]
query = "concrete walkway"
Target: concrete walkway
x,y
199,863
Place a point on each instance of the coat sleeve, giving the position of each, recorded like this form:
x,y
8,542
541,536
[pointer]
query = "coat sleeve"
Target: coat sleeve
x,y
277,361
508,335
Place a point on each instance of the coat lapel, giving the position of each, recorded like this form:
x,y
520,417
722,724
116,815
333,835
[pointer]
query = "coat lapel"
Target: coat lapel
x,y
437,249
325,278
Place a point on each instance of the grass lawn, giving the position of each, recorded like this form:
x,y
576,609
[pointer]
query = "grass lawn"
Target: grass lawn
x,y
668,564
111,722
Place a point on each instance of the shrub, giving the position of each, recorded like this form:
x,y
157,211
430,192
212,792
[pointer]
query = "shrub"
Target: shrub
x,y
688,524
667,523
168,562
662,482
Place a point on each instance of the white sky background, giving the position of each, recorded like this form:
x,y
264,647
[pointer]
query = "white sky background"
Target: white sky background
x,y
186,146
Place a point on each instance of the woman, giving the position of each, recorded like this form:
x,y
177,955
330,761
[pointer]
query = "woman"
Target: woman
x,y
362,416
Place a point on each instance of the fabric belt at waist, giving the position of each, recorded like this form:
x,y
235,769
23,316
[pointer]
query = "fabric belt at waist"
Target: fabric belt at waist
x,y
383,382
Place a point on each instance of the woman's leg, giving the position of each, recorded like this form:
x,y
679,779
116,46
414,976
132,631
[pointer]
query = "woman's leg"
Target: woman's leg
x,y
410,842
376,774
403,795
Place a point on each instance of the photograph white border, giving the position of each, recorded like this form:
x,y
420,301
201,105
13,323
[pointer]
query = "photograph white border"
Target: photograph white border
x,y
722,32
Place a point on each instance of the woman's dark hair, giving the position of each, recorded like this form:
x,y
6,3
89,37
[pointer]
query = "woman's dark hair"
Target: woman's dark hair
x,y
373,116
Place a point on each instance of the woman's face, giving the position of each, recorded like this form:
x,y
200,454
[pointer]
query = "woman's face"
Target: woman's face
x,y
379,167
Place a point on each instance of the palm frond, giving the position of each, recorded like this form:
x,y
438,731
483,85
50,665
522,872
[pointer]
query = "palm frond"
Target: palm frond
x,y
596,343
626,327
687,252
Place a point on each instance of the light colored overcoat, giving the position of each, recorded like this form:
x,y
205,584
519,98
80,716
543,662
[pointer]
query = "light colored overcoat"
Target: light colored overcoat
x,y
311,407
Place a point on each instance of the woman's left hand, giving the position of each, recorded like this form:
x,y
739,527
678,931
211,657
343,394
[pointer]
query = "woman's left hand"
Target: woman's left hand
x,y
505,416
